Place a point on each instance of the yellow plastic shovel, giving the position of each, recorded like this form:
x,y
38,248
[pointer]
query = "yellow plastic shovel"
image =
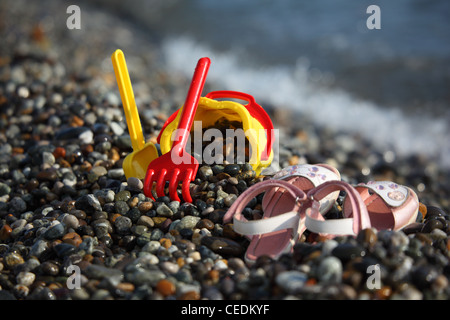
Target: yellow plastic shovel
x,y
135,164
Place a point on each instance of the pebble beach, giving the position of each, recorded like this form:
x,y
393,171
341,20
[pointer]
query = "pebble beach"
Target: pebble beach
x,y
65,200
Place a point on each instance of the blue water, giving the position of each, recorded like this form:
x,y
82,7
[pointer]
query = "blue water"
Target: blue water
x,y
319,58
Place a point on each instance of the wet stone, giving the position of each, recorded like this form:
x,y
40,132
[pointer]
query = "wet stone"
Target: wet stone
x,y
330,270
123,225
38,248
232,169
222,246
25,278
291,281
145,206
204,172
49,268
135,183
164,210
70,221
123,195
4,189
435,223
101,272
205,223
84,134
55,232
144,277
347,251
64,249
187,222
146,221
423,276
88,203
367,237
17,205
12,259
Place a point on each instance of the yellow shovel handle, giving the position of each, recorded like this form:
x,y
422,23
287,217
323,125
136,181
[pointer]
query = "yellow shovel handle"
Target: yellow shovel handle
x,y
129,104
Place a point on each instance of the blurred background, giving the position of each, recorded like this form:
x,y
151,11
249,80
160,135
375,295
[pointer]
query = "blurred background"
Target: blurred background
x,y
317,58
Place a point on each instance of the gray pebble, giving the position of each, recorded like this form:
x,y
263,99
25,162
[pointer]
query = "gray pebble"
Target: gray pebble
x,y
164,210
55,232
330,270
135,183
291,281
88,203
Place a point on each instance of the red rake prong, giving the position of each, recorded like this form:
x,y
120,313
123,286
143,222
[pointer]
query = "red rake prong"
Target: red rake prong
x,y
148,184
185,186
173,184
161,183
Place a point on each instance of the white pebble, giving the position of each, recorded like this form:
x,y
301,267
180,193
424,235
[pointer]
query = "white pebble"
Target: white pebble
x,y
25,278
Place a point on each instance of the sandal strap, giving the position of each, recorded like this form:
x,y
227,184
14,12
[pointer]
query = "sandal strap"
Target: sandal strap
x,y
288,220
356,217
280,222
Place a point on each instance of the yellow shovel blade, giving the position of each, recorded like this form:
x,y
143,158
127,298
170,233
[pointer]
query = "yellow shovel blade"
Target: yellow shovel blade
x,y
136,163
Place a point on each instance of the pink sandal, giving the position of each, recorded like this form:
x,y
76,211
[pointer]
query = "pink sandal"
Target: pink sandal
x,y
282,224
278,230
388,205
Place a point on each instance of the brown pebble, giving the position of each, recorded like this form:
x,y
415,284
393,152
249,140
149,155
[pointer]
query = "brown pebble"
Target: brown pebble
x,y
145,206
17,150
32,184
145,221
87,148
159,221
440,283
59,152
214,275
126,286
181,262
54,286
228,232
165,287
5,232
383,293
86,166
72,238
312,256
76,121
190,295
423,209
367,237
64,163
114,155
133,202
166,243
205,223
294,160
423,238
113,218
47,175
88,257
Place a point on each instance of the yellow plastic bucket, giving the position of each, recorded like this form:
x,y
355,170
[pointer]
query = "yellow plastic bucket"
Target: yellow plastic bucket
x,y
256,124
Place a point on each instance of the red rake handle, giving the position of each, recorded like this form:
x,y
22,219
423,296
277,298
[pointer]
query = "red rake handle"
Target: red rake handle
x,y
190,105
